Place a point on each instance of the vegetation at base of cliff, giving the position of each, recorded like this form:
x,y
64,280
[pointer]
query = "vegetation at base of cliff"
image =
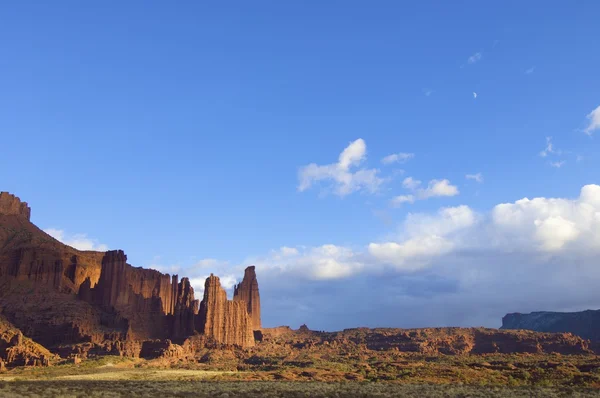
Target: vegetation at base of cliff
x,y
523,370
270,390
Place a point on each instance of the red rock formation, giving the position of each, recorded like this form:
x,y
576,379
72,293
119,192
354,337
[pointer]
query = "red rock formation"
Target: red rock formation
x,y
12,205
17,350
247,291
185,310
226,321
145,297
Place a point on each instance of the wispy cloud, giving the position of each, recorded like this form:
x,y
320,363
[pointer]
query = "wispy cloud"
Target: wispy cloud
x,y
478,177
401,157
475,58
427,92
549,149
344,180
474,95
77,241
435,188
397,201
594,121
558,164
530,70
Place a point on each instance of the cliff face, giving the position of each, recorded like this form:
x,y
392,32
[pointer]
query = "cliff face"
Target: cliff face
x,y
247,291
226,321
585,324
12,205
158,306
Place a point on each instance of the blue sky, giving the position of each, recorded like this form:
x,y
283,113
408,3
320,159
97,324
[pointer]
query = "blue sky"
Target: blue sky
x,y
182,134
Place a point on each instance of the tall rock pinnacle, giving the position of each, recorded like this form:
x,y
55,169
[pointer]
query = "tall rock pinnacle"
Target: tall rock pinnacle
x,y
226,321
247,291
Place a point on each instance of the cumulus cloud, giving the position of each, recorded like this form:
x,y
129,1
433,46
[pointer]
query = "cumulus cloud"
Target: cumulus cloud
x,y
478,177
550,224
475,58
340,174
452,267
401,157
438,188
424,237
318,263
435,188
594,121
77,241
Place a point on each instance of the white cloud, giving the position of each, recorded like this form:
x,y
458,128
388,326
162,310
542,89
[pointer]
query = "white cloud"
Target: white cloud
x,y
474,95
316,263
558,164
594,121
453,267
401,157
208,263
549,149
478,177
435,188
475,58
424,237
289,251
411,183
530,70
438,188
550,224
427,92
77,241
544,225
344,180
412,254
398,200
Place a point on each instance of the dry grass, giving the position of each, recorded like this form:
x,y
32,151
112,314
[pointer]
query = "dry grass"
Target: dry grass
x,y
146,388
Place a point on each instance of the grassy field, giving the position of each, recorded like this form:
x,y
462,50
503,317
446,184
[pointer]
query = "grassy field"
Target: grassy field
x,y
226,389
511,376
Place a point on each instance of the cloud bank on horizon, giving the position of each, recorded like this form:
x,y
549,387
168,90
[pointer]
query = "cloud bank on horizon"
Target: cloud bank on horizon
x,y
453,266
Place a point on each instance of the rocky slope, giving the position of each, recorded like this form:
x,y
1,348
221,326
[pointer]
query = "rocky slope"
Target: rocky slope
x,y
585,324
18,350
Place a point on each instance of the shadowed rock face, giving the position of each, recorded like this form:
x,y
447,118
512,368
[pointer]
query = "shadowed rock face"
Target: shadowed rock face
x,y
247,291
585,324
226,321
